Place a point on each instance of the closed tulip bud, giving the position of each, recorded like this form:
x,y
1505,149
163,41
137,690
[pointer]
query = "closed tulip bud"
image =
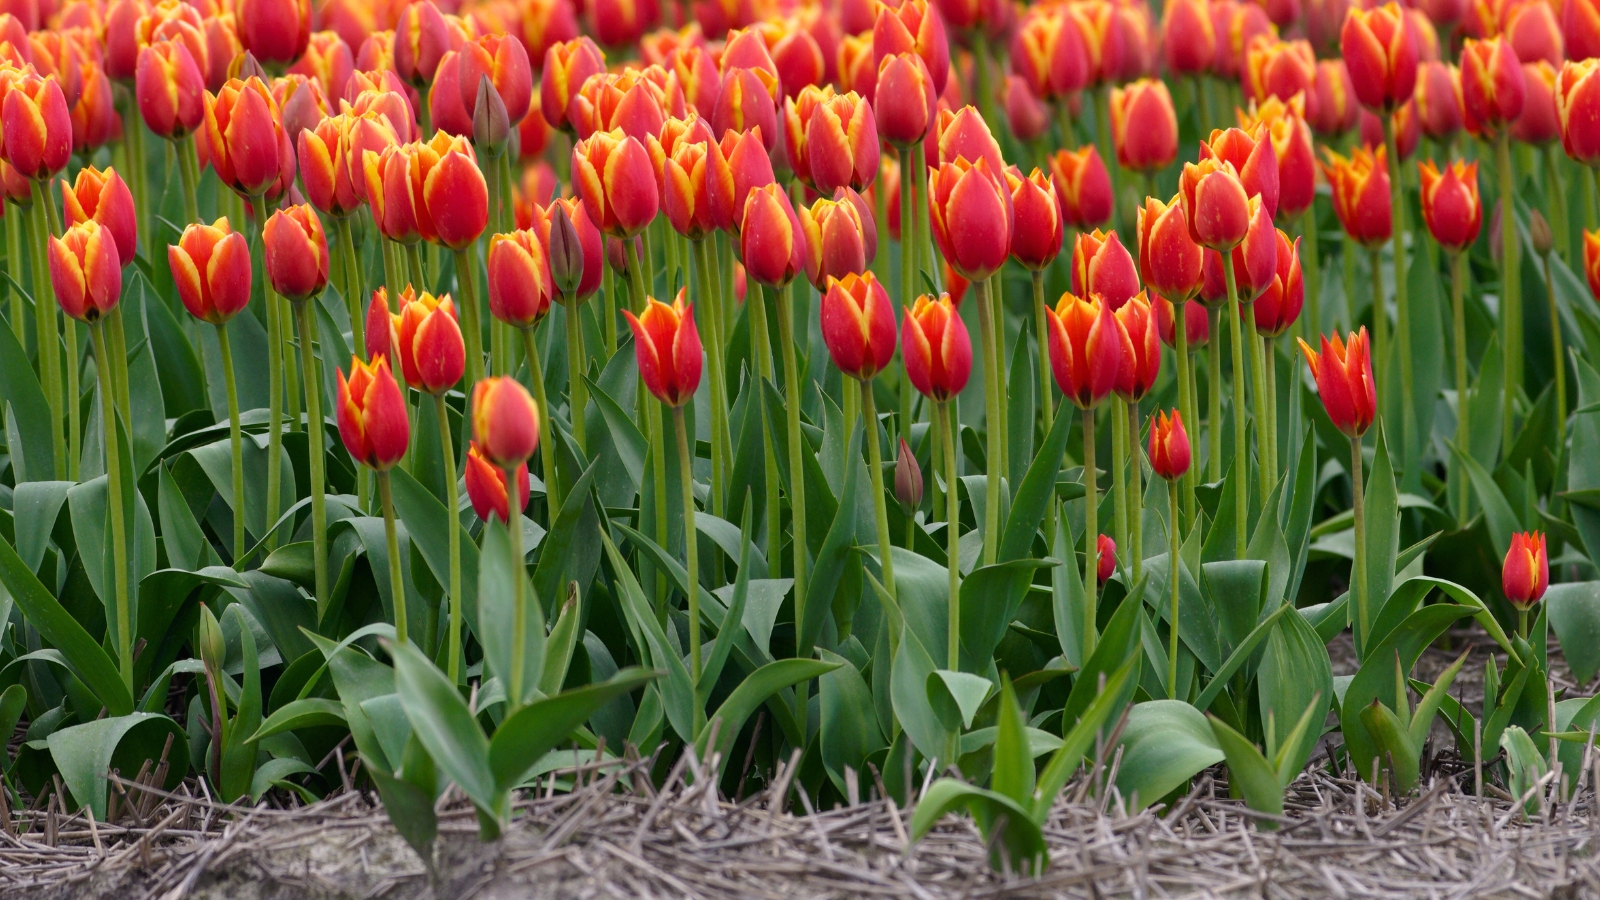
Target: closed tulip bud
x,y
964,134
1450,204
1279,305
519,278
1036,238
1379,46
566,67
905,100
276,31
667,345
421,39
936,348
1102,266
746,102
505,421
328,60
841,140
383,339
971,217
1526,573
912,27
432,354
1334,113
858,325
772,243
1580,25
170,90
616,181
1493,88
1539,123
574,252
373,422
1280,69
1025,112
1534,31
750,166
1215,204
296,252
1170,262
1252,156
1360,188
95,122
1141,365
1083,187
212,646
1144,125
245,139
836,238
1577,97
1282,123
907,479
1197,328
697,185
1439,100
1343,373
504,61
487,486
1106,550
1087,347
37,127
1591,260
1255,261
491,126
211,270
85,271
1190,38
1169,446
104,197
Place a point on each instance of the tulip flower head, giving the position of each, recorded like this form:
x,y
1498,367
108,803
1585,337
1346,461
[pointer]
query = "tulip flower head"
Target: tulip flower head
x,y
566,67
696,184
170,90
1255,261
85,271
1343,372
1141,361
1102,266
1439,100
1215,204
907,479
1450,203
614,177
1280,69
1027,115
1197,329
487,486
432,354
971,216
1170,262
748,100
1106,563
1083,187
936,348
211,269
1087,347
1539,123
505,421
772,243
1253,159
520,286
372,415
276,31
330,159
1169,445
1578,106
37,126
573,246
1335,111
668,349
1526,573
858,325
103,196
1493,88
905,99
1360,188
1379,46
836,238
1037,235
296,252
1279,305
1283,123
1144,125
504,61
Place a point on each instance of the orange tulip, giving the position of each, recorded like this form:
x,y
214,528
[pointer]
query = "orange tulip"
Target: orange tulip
x,y
1169,446
626,102
430,191
1215,204
1280,304
1169,259
1334,113
211,269
1343,373
1532,28
1439,100
1254,261
504,60
1144,125
858,325
1526,573
1450,204
487,486
614,176
748,101
37,126
971,217
936,348
963,133
505,421
373,422
85,271
520,286
1142,365
328,60
1379,47
1087,347
1280,69
668,348
275,31
296,251
836,238
696,183
95,122
1360,187
245,140
433,356
905,101
1492,85
1539,123
330,159
912,27
1253,158
1083,186
1101,266
841,144
566,67
1190,38
1578,109
1196,328
772,243
104,197
1047,53
1037,236
1284,124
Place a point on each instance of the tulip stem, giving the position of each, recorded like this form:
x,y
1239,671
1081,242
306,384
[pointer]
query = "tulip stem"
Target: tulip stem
x,y
721,444
1558,359
577,392
1311,264
1510,289
869,421
794,392
691,556
1358,569
1241,446
319,508
414,264
1091,536
69,331
1214,396
1047,400
952,537
274,383
13,212
547,447
452,503
1266,475
655,430
992,423
470,327
1135,493
761,344
1408,407
353,289
189,174
1172,569
1522,623
1458,287
1119,478
1380,324
46,315
235,442
1556,191
397,586
1180,340
119,525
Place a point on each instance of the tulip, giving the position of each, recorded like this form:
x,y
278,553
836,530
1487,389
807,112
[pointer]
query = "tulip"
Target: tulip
x,y
905,99
696,185
1591,260
1190,38
1172,265
505,421
1215,203
519,279
628,102
1087,345
1144,125
1492,85
1141,361
858,326
38,127
85,271
487,486
575,254
373,423
1169,459
1577,97
835,239
1024,111
1525,575
1083,187
421,39
505,61
245,139
1360,188
669,350
1336,108
1254,262
1439,100
1280,69
1533,31
746,102
1047,53
1037,235
1379,47
296,253
794,117
617,182
1106,551
772,243
1539,123
841,140
907,480
1279,305
104,197
1196,331
275,31
1450,204
1102,266
750,166
971,218
965,134
429,343
913,28
327,60
1580,26
567,66
1253,158
94,117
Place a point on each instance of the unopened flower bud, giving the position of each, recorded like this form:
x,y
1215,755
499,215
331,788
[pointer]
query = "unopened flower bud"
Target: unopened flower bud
x,y
1539,234
213,649
565,252
249,67
907,479
491,127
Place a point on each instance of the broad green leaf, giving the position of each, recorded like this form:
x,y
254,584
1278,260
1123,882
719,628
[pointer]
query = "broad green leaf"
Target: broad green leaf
x,y
559,647
274,772
1525,763
830,564
85,753
956,696
1020,414
27,413
1081,737
1422,718
443,724
678,690
496,588
568,552
1033,491
428,523
733,622
848,737
1018,847
1383,532
238,755
1248,771
36,506
1119,642
1583,463
309,712
1497,512
1013,759
909,689
534,730
1295,675
1574,612
1391,739
1240,654
181,536
1165,743
1068,600
750,694
990,596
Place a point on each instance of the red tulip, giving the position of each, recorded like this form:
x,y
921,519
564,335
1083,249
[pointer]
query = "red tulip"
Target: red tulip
x,y
1283,125
1169,445
1253,159
1037,235
1106,563
1190,38
487,486
211,270
1280,69
1450,204
37,126
1492,85
328,60
1336,108
1279,305
1578,109
696,184
1343,373
626,102
85,271
94,118
1215,203
614,176
329,161
1170,262
1047,53
964,134
912,27
971,217
574,256
296,253
105,198
505,421
1580,25
421,39
245,139
1144,125
1539,123
668,349
750,167
520,286
1534,32
505,61
1526,573
841,144
858,325
1096,21
936,348
1360,188
1087,347
372,415
566,67
836,239
1255,261
1141,361
1102,266
1379,47
772,243
1025,112
1083,187
383,338
432,354
1591,260
275,31
746,102
1196,328
1439,100
1237,26
905,100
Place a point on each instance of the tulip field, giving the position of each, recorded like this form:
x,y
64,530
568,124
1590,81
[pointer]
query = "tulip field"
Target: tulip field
x,y
994,412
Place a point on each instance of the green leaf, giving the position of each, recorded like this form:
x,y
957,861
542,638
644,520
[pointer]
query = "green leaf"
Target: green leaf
x,y
630,444
181,536
829,567
309,712
446,728
496,608
36,506
1383,531
1422,718
1081,737
292,562
1017,844
559,646
568,552
990,597
27,412
238,755
908,689
1583,463
1240,654
848,736
410,808
1526,764
956,696
534,730
1248,770
751,693
1295,675
12,702
678,691
1165,743
85,753
1118,643
428,523
1067,595
1497,512
733,622
1020,415
274,772
1574,612
1033,493
1392,740
1013,760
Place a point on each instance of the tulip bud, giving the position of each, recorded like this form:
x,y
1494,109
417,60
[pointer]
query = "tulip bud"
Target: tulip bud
x,y
566,67
1379,47
1343,373
936,348
1538,125
746,102
905,100
1526,573
105,198
1360,188
584,251
1281,123
296,252
1578,105
1087,346
566,253
94,117
245,139
1215,204
841,144
749,167
1493,88
1334,113
1037,236
1190,39
1279,305
1141,359
433,356
914,28
519,277
213,647
211,269
836,239
971,216
170,89
1534,32
1106,549
275,30
907,479
772,244
373,422
1101,265
505,421
247,67
614,176
1025,112
1450,204
491,126
1169,446
1144,125
1255,261
1170,262
504,61
37,127
668,348
1439,100
383,339
1253,160
858,325
1539,233
487,486
85,271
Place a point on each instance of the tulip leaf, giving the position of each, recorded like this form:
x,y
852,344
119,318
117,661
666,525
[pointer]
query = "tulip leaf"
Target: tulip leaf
x,y
1383,533
28,416
1574,613
1164,744
848,737
677,693
534,730
428,522
84,753
1033,491
1020,404
1249,772
1583,464
1015,841
444,725
753,691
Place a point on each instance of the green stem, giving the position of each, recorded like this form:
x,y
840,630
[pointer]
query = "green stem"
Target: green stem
x,y
869,422
691,556
1047,399
1275,467
992,427
923,230
274,388
1510,288
1556,191
1258,381
794,392
397,586
1241,447
46,317
1172,568
1408,409
608,317
1558,359
952,541
1214,397
761,344
721,443
1380,326
1180,339
471,329
414,263
519,601
452,503
353,290
235,444
547,448
1091,536
69,332
1458,287
1358,570
577,358
189,172
13,212
1310,261
1522,623
654,430
1119,477
1002,390
1135,493
319,509
119,527
1347,257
